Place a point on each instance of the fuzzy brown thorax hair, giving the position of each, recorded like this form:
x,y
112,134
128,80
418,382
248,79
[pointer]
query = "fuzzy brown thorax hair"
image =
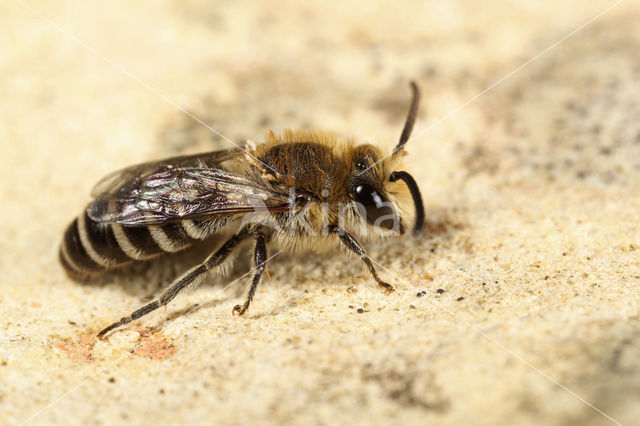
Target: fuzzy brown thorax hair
x,y
324,165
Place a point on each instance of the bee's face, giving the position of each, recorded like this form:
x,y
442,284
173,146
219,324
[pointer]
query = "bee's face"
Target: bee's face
x,y
367,183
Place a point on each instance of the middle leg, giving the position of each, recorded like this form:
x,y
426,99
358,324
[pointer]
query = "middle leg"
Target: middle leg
x,y
260,257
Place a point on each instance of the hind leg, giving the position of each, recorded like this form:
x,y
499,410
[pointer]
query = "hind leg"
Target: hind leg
x,y
182,282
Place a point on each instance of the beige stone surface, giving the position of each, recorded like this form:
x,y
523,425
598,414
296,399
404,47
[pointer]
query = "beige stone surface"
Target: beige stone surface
x,y
532,194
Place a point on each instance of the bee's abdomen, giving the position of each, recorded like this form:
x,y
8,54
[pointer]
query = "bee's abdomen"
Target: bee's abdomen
x,y
90,247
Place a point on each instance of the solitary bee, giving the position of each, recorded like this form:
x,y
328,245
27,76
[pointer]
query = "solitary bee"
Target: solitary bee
x,y
298,191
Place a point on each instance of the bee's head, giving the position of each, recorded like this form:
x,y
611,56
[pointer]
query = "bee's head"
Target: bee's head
x,y
372,176
369,191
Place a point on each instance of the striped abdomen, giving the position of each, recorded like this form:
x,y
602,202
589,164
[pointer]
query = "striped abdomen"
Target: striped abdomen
x,y
90,247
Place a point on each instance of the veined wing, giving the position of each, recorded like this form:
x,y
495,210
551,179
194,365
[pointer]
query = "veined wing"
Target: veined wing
x,y
181,193
116,180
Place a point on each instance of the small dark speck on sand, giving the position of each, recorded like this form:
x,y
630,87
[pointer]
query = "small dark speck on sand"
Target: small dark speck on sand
x,y
360,311
459,299
440,291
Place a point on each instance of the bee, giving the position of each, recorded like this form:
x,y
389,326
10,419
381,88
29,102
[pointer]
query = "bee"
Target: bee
x,y
299,191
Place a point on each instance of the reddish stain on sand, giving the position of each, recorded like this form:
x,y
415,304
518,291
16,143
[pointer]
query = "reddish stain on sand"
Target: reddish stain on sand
x,y
150,345
80,349
153,345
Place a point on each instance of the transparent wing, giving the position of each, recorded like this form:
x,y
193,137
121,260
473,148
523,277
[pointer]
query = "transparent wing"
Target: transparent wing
x,y
175,194
114,181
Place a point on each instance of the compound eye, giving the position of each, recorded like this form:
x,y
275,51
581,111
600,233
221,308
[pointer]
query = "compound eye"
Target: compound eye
x,y
368,197
375,208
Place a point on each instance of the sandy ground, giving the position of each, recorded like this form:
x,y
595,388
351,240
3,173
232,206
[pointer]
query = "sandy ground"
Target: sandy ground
x,y
532,195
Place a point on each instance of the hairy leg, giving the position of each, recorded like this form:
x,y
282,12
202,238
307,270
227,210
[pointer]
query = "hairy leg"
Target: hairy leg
x,y
182,282
355,247
260,257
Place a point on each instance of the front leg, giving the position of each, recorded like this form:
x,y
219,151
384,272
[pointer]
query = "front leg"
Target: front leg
x,y
260,257
355,247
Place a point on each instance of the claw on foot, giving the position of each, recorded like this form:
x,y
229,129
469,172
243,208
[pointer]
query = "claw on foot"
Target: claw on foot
x,y
388,288
239,309
122,321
